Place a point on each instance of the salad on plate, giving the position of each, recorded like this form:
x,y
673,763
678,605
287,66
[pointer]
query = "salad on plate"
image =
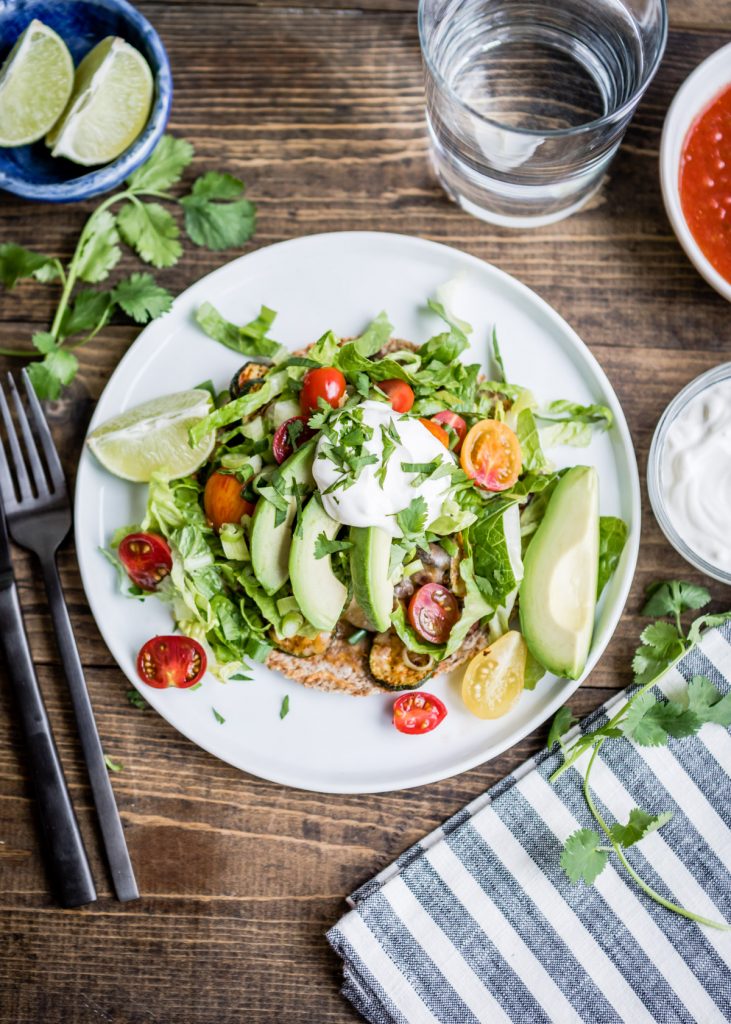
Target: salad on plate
x,y
361,515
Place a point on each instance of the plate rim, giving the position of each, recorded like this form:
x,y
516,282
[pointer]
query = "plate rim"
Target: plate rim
x,y
630,555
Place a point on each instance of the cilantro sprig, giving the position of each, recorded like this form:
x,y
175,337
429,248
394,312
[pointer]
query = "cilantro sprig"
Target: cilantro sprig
x,y
647,721
215,215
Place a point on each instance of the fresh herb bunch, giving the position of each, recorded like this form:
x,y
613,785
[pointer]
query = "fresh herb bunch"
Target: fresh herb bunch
x,y
215,213
649,722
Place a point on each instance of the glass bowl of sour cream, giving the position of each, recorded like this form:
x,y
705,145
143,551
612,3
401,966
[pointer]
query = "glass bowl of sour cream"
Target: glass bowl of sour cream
x,y
689,473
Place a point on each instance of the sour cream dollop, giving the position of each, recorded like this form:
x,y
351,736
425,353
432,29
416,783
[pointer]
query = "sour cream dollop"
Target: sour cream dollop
x,y
366,502
696,474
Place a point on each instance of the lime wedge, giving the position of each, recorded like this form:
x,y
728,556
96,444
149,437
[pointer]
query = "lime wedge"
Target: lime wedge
x,y
109,106
153,438
35,83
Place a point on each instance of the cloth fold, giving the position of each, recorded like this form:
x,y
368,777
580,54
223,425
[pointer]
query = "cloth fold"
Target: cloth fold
x,y
479,923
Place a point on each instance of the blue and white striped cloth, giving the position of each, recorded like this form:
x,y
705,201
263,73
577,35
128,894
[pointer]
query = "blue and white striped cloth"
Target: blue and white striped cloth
x,y
479,923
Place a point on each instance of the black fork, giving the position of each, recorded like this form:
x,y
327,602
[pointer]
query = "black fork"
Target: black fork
x,y
38,513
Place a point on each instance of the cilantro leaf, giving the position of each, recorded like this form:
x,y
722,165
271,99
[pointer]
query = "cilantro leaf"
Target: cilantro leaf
x,y
44,341
706,622
99,252
651,723
141,297
705,701
639,825
249,339
151,231
674,597
216,214
284,709
612,538
17,262
562,722
137,700
324,546
412,519
661,646
56,370
89,311
582,858
163,167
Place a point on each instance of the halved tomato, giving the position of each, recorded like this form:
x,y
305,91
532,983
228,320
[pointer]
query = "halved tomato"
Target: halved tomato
x,y
418,712
289,436
495,677
325,382
223,500
439,432
433,610
146,558
491,455
399,394
454,425
171,661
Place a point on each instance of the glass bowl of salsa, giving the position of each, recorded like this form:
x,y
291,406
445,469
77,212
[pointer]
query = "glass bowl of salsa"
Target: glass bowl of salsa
x,y
695,168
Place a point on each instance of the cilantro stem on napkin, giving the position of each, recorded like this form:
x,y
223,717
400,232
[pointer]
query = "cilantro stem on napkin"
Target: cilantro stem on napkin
x,y
215,214
649,722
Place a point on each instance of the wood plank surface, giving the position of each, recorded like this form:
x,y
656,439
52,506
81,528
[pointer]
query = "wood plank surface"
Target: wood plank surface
x,y
319,107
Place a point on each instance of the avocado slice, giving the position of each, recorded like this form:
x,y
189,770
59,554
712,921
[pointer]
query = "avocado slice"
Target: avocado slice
x,y
270,544
319,593
369,561
558,592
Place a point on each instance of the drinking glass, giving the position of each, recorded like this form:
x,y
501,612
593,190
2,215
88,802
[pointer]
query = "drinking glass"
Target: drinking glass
x,y
527,100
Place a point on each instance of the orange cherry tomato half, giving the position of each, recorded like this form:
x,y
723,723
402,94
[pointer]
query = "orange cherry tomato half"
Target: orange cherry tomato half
x,y
223,501
491,455
146,558
418,712
399,393
439,432
450,421
171,661
325,382
433,610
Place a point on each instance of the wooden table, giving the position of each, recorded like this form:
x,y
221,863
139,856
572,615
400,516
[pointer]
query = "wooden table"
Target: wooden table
x,y
319,108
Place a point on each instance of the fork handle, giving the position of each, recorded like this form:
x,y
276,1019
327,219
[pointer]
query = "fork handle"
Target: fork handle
x,y
110,823
66,857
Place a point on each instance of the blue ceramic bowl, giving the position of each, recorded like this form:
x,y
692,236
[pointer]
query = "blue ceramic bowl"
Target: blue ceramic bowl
x,y
31,171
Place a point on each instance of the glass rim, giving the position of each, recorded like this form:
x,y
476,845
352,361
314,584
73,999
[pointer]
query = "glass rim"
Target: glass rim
x,y
549,133
691,390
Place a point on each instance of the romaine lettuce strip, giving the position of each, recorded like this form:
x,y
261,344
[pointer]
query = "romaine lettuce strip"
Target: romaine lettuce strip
x,y
570,423
271,386
532,453
250,339
497,570
612,539
474,608
409,638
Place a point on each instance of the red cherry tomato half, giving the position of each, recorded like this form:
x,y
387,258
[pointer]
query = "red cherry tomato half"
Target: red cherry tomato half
x,y
325,382
439,432
418,712
223,501
171,661
450,421
433,610
282,444
146,558
399,394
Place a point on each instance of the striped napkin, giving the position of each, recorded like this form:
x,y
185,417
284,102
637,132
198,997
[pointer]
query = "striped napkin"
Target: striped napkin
x,y
478,922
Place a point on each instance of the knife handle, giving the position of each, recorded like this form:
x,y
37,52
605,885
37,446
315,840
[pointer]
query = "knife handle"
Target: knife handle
x,y
66,858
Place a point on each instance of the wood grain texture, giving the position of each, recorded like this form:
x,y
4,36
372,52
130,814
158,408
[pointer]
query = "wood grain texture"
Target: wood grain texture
x,y
319,108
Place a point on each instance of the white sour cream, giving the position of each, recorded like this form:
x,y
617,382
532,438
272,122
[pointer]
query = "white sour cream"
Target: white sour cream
x,y
366,502
696,474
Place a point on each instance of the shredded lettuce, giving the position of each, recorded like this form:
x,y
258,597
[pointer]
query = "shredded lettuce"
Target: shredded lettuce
x,y
612,538
250,339
571,424
530,442
271,386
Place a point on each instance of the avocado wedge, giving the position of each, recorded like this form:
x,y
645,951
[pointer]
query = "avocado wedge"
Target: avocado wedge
x,y
558,592
319,593
369,561
270,543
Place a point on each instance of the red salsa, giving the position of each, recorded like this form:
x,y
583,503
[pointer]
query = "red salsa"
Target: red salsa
x,y
705,182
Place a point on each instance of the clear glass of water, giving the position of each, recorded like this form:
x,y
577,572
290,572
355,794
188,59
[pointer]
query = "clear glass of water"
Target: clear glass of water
x,y
527,100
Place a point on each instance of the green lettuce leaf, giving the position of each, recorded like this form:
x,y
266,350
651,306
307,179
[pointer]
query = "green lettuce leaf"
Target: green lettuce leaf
x,y
612,538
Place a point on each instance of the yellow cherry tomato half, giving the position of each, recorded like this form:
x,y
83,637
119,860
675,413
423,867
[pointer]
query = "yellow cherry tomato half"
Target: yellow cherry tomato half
x,y
491,455
495,677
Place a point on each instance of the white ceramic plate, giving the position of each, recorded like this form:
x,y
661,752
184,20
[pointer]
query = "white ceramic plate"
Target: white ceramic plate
x,y
333,742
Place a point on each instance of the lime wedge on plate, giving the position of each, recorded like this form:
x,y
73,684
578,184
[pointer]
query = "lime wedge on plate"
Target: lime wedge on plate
x,y
109,106
35,83
153,438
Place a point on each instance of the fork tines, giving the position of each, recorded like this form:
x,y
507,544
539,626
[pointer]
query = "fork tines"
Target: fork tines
x,y
33,479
